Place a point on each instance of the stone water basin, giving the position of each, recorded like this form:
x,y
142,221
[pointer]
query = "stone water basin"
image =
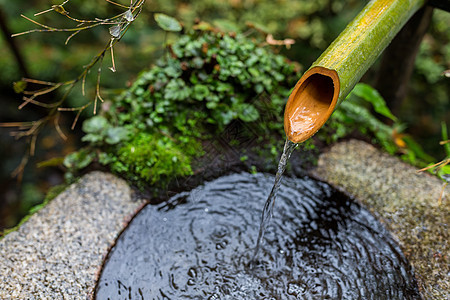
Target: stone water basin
x,y
320,244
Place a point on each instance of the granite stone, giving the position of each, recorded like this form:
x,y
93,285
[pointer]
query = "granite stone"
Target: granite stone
x,y
58,252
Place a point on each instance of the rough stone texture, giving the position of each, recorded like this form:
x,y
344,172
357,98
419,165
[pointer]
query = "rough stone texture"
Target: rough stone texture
x,y
58,252
406,201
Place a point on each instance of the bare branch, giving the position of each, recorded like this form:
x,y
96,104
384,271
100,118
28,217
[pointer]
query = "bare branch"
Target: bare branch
x,y
38,103
58,128
21,125
18,172
118,4
32,129
442,193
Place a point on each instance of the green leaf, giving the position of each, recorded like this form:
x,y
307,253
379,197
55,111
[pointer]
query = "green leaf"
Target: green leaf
x,y
172,71
371,95
444,173
200,91
96,124
417,149
105,158
115,135
176,89
79,159
92,138
167,23
198,62
254,72
52,162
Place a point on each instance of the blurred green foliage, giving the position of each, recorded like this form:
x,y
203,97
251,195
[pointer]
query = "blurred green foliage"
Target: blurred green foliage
x,y
312,23
427,103
363,111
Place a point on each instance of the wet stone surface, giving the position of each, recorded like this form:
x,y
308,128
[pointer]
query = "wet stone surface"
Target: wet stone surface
x,y
320,245
407,203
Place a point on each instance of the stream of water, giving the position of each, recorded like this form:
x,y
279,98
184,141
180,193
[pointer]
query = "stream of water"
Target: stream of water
x,y
270,202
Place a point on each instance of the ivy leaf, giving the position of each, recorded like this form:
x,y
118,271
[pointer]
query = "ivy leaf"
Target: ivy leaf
x,y
79,159
200,91
95,124
115,135
372,96
176,89
167,23
92,138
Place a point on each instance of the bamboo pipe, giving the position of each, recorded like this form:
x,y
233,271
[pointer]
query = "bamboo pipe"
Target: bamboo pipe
x,y
334,74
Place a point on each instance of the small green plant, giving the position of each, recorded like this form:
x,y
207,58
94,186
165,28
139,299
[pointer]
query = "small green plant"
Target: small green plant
x,y
206,81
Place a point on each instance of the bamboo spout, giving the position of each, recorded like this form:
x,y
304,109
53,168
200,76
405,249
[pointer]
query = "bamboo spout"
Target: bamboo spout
x,y
334,74
311,103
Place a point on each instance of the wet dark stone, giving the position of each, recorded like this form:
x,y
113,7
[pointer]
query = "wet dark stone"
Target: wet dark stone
x,y
319,245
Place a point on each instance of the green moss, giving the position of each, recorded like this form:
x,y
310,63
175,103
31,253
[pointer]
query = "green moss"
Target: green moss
x,y
152,158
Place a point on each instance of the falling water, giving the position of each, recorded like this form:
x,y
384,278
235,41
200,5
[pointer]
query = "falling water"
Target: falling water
x,y
270,202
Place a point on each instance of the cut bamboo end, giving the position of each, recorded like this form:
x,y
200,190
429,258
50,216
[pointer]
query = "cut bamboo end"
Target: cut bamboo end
x,y
311,103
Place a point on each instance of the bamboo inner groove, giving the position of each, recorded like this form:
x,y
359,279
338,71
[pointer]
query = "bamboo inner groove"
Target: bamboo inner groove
x,y
311,103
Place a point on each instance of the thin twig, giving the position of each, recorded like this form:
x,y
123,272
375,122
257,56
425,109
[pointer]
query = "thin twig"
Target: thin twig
x,y
37,103
18,172
438,164
118,4
58,128
38,81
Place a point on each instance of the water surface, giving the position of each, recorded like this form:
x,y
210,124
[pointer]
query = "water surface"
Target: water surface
x,y
319,245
